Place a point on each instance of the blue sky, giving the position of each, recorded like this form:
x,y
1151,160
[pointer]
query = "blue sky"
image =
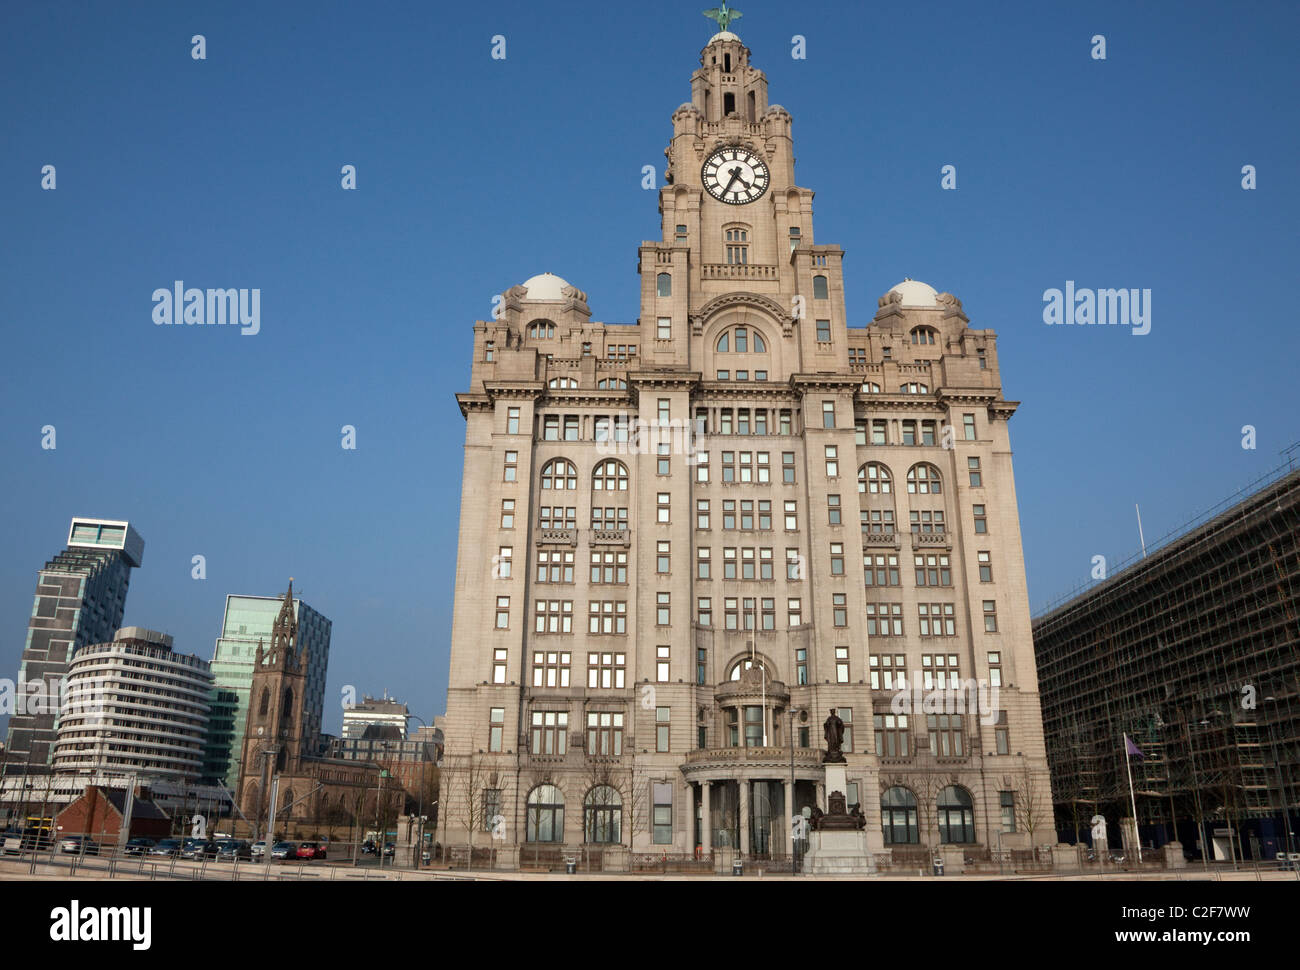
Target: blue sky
x,y
474,174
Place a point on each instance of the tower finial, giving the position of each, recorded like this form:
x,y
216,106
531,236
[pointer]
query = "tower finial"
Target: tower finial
x,y
723,15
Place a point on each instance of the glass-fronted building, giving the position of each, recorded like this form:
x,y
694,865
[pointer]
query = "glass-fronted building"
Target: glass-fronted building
x,y
247,620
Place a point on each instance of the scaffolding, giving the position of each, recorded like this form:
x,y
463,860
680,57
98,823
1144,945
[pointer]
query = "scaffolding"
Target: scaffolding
x,y
1193,653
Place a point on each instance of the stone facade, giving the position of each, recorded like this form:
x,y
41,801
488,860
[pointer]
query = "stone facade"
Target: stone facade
x,y
637,497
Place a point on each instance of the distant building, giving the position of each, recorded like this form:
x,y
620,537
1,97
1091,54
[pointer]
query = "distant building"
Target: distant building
x,y
1193,652
80,598
247,623
374,711
134,705
99,812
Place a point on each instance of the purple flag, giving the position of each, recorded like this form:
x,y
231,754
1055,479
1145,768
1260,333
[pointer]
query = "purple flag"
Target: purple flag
x,y
1132,749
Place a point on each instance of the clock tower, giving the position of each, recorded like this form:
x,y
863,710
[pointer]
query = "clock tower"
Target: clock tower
x,y
736,224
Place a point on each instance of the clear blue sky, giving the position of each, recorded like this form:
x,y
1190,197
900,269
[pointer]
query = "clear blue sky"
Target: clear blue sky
x,y
474,174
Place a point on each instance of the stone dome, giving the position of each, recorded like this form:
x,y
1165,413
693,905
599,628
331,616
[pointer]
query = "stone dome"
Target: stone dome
x,y
723,35
914,293
545,286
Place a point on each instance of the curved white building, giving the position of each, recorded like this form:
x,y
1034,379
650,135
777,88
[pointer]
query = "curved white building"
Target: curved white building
x,y
134,705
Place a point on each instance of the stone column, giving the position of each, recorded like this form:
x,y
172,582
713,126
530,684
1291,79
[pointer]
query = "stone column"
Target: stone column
x,y
706,835
743,784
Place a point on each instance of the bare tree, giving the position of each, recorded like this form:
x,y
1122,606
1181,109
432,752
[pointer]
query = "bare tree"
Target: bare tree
x,y
463,783
1030,812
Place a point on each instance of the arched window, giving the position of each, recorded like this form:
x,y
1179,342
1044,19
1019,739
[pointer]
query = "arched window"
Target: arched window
x,y
745,665
545,815
741,340
898,817
923,479
737,238
924,335
611,384
664,282
541,329
562,382
914,387
602,812
286,807
870,387
820,289
956,816
559,474
874,477
265,706
609,476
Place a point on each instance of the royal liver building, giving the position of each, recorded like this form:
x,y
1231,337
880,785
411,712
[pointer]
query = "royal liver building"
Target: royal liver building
x,y
682,543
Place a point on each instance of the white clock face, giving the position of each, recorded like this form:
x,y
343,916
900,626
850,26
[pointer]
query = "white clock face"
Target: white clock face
x,y
735,176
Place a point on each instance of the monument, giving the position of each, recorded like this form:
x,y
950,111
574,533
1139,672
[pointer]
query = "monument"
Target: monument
x,y
839,842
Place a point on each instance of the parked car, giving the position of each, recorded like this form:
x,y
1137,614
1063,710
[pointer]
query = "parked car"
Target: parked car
x,y
78,845
233,849
389,849
311,850
167,847
199,849
368,847
259,849
139,846
284,850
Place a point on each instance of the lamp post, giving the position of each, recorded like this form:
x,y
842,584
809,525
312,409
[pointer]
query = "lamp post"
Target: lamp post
x,y
794,840
1196,790
419,852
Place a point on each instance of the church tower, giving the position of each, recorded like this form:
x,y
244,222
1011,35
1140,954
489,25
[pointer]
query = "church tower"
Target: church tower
x,y
274,730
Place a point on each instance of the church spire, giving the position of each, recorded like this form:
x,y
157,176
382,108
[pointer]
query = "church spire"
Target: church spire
x,y
284,632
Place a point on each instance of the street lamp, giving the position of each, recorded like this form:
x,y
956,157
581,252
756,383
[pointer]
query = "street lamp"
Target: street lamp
x,y
419,852
794,841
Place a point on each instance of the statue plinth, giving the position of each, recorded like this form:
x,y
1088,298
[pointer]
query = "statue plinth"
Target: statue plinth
x,y
838,842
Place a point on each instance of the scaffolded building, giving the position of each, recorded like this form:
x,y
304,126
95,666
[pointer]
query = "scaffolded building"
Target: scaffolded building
x,y
1194,653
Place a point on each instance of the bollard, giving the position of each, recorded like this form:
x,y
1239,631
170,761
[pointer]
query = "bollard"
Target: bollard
x,y
737,868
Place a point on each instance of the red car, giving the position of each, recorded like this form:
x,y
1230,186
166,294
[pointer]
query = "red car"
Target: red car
x,y
311,850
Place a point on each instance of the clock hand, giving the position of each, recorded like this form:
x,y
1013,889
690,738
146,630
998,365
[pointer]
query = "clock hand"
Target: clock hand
x,y
735,174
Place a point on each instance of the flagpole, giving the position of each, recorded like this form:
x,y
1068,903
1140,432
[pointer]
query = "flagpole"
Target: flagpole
x,y
1128,766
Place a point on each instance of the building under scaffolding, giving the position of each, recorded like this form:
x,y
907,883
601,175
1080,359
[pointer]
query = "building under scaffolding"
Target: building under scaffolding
x,y
1194,652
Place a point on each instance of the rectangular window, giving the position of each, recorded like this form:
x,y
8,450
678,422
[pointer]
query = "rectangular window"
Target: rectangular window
x,y
986,567
765,514
681,234
840,609
880,569
933,569
769,613
888,671
663,463
553,616
505,555
572,427
499,658
503,612
608,567
787,467
702,513
512,420
726,420
860,431
496,727
891,735
981,520
702,562
837,559
823,331
828,414
793,565
662,556
909,432
605,733
968,425
937,620
507,513
663,611
763,467
607,618
607,670
995,668
878,431
663,813
704,611
846,715
550,734
765,569
794,612
990,616
1007,802
701,665
512,466
489,349
976,479
662,724
551,427
1001,735
884,619
786,420
662,667
728,466
760,417
665,410
664,328
702,466
928,432
841,665
946,738
801,666
728,514
551,668
662,514
833,509
791,516
832,461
